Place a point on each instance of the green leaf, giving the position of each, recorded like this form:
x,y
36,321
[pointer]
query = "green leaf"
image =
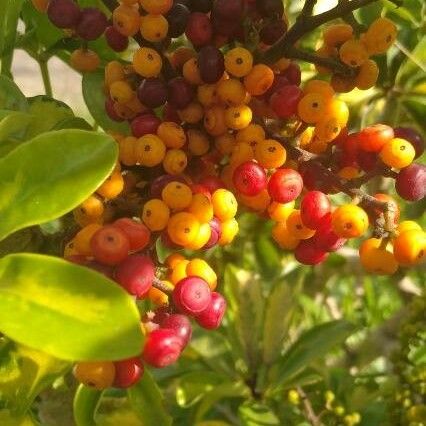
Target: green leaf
x,y
313,344
24,373
95,100
148,402
7,418
72,123
11,97
14,125
224,390
278,312
50,175
46,112
416,107
85,405
413,64
256,414
9,15
66,310
267,256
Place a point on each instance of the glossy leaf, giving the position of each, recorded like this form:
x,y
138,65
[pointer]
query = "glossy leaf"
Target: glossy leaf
x,y
95,100
50,175
267,256
256,414
72,123
148,402
11,97
85,405
313,344
9,15
46,113
14,125
25,372
66,310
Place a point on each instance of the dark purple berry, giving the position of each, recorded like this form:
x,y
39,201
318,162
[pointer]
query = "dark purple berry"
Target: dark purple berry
x,y
211,64
63,13
177,18
153,92
92,23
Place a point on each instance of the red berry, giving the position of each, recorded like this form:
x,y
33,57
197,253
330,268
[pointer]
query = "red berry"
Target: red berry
x,y
144,124
228,8
285,185
63,13
211,317
412,136
315,206
152,92
274,8
127,372
325,239
307,253
170,114
110,110
180,324
92,23
272,32
203,6
284,102
249,178
177,18
373,138
197,188
136,274
216,233
181,92
410,183
212,183
110,245
192,295
199,29
137,233
162,348
116,41
211,64
293,74
367,160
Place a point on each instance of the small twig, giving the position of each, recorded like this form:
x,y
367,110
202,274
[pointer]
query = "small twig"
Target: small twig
x,y
307,9
309,411
159,285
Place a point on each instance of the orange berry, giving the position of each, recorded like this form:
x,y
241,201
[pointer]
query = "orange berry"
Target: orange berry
x,y
238,117
201,207
84,60
155,214
283,237
179,271
192,113
183,228
207,94
238,62
89,211
154,28
241,153
252,135
279,212
175,161
409,247
397,153
380,36
147,62
297,228
171,134
126,20
83,238
231,91
198,142
353,53
319,86
375,259
96,374
157,7
225,143
112,187
173,259
367,75
270,154
312,107
214,121
224,204
150,150
349,221
337,34
191,72
259,80
177,195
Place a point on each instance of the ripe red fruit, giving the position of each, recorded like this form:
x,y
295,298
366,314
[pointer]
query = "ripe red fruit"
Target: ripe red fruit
x,y
144,124
216,233
181,92
211,64
212,183
228,8
315,206
192,295
284,102
249,178
170,114
293,74
152,92
197,188
162,348
410,183
110,245
211,317
116,41
63,13
367,160
92,23
273,31
127,372
137,233
180,324
373,138
199,29
177,17
270,8
325,239
203,6
136,274
307,253
412,136
280,81
285,185
109,108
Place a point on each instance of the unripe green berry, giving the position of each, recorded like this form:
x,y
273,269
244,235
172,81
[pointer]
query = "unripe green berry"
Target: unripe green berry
x,y
293,397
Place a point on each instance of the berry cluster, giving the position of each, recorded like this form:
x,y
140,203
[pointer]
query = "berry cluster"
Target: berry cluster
x,y
212,123
341,42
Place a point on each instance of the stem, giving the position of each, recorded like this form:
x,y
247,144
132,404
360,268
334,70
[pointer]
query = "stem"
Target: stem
x,y
46,78
159,285
305,24
309,411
